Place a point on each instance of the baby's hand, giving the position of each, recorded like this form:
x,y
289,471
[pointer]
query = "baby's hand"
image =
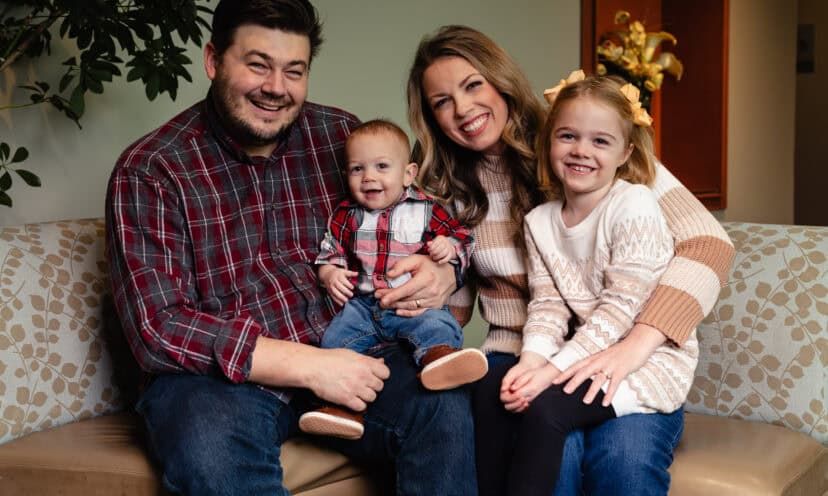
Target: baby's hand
x,y
337,281
441,250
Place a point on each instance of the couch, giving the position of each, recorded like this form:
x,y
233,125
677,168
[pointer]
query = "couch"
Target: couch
x,y
757,421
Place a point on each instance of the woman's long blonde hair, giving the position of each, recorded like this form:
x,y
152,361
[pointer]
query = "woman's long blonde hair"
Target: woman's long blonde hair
x,y
639,168
447,170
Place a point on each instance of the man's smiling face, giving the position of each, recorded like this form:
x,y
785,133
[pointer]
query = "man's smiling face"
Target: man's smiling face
x,y
260,83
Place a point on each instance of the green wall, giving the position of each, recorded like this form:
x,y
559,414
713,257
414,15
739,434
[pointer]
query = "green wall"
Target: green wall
x,y
362,66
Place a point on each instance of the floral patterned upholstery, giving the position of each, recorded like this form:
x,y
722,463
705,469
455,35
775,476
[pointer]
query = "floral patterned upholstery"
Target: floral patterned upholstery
x,y
54,366
764,348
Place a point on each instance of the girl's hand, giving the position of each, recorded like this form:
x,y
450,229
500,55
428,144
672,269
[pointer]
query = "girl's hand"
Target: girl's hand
x,y
337,281
613,364
517,375
441,250
429,287
528,386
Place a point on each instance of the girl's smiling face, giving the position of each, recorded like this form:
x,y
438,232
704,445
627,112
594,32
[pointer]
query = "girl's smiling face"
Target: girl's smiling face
x,y
588,146
468,109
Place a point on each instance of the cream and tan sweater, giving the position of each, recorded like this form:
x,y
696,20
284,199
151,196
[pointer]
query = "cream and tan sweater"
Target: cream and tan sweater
x,y
686,292
602,270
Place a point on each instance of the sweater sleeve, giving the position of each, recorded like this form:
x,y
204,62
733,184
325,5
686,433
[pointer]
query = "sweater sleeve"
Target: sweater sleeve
x,y
547,313
703,255
461,303
639,249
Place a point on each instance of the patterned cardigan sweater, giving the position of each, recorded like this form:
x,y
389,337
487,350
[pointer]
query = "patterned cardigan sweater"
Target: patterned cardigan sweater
x,y
686,292
602,270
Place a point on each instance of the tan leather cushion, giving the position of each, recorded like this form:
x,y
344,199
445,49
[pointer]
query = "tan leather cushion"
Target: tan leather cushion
x,y
729,457
104,456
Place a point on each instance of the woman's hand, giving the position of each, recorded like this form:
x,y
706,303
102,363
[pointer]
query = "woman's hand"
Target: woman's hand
x,y
613,364
429,287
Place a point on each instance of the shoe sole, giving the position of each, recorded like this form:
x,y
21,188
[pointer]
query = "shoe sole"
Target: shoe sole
x,y
456,369
323,424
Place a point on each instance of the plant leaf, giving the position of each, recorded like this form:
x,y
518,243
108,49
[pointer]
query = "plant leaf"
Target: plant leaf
x,y
76,102
65,81
5,181
30,178
20,155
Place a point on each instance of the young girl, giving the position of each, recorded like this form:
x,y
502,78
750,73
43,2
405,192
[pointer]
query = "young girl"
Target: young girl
x,y
595,253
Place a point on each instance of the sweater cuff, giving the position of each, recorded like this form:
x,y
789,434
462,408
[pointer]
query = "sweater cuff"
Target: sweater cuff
x,y
673,312
541,344
565,358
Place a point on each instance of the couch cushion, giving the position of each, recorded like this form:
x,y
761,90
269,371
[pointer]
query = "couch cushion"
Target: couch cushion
x,y
764,348
729,457
105,455
54,366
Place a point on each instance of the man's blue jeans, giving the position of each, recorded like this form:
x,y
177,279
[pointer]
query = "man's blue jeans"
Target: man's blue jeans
x,y
363,324
628,455
213,437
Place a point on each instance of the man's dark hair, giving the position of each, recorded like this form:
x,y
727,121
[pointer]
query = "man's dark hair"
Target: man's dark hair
x,y
291,16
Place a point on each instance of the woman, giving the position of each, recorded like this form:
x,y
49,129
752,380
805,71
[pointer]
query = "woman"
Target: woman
x,y
476,119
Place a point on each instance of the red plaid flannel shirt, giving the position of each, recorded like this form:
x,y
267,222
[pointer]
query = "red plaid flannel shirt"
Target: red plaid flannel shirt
x,y
371,242
209,248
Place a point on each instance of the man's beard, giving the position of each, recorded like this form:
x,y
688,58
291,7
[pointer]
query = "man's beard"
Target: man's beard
x,y
242,131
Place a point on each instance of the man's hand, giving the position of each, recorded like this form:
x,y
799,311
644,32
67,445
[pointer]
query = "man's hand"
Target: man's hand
x,y
340,376
429,287
347,378
337,281
441,250
613,364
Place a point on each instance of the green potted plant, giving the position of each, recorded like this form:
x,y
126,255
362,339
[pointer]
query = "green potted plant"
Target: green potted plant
x,y
143,38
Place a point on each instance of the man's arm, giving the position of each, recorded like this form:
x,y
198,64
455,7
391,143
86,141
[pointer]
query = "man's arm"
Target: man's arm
x,y
341,376
151,272
153,284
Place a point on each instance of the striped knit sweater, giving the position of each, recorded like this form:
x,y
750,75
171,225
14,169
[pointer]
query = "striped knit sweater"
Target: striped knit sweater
x,y
602,270
685,294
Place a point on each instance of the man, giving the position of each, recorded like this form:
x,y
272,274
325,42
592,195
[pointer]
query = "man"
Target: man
x,y
213,223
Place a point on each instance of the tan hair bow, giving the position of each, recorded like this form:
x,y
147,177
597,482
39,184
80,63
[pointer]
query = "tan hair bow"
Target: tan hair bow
x,y
552,93
640,115
630,92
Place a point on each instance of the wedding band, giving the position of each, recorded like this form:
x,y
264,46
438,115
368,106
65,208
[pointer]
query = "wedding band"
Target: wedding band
x,y
607,375
417,302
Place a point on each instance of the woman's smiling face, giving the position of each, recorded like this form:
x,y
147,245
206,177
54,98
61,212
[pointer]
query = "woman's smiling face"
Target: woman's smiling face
x,y
468,109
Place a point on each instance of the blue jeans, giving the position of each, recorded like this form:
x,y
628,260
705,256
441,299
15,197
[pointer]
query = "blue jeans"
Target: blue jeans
x,y
622,456
362,325
212,437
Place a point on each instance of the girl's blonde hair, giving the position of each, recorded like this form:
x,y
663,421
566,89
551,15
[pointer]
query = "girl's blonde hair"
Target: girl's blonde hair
x,y
639,168
447,170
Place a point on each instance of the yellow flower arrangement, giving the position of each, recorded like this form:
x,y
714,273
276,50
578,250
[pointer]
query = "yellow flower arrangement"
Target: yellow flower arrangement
x,y
630,54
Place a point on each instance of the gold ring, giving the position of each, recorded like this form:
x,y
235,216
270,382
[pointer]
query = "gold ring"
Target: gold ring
x,y
417,302
607,375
